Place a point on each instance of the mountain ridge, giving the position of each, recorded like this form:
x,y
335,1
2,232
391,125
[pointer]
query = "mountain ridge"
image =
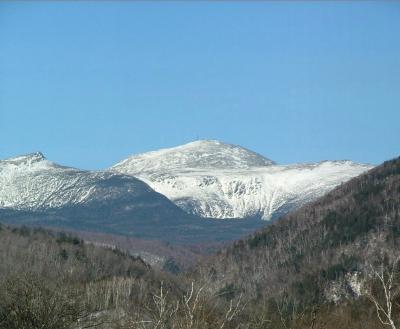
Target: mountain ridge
x,y
183,201
244,189
36,191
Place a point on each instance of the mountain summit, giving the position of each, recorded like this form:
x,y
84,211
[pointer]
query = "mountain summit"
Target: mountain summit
x,y
213,179
26,159
201,154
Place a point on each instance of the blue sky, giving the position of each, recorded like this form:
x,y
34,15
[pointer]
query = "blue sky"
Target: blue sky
x,y
89,83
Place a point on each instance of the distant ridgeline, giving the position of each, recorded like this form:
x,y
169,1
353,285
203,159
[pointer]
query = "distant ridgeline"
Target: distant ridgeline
x,y
173,195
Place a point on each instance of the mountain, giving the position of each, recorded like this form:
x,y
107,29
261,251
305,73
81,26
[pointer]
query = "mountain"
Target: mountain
x,y
162,195
310,269
213,179
31,182
323,252
34,190
202,154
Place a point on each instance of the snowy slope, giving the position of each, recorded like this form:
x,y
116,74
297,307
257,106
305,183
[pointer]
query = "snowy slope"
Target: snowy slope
x,y
31,182
214,179
203,154
36,191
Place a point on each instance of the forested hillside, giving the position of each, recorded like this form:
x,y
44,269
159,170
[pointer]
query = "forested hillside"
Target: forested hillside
x,y
322,255
53,280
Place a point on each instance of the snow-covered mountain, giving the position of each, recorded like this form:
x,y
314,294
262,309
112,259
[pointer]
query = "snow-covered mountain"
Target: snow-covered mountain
x,y
203,154
214,179
161,194
34,190
31,182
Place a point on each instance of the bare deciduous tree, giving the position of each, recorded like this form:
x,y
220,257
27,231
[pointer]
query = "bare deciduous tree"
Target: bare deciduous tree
x,y
390,290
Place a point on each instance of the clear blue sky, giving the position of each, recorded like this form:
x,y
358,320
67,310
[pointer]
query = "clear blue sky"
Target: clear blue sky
x,y
89,83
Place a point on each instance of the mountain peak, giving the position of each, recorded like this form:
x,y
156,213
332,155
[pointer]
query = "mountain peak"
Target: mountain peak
x,y
29,158
205,143
200,154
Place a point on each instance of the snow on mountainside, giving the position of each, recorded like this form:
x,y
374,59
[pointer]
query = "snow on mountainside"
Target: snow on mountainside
x,y
198,154
214,179
35,191
31,182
